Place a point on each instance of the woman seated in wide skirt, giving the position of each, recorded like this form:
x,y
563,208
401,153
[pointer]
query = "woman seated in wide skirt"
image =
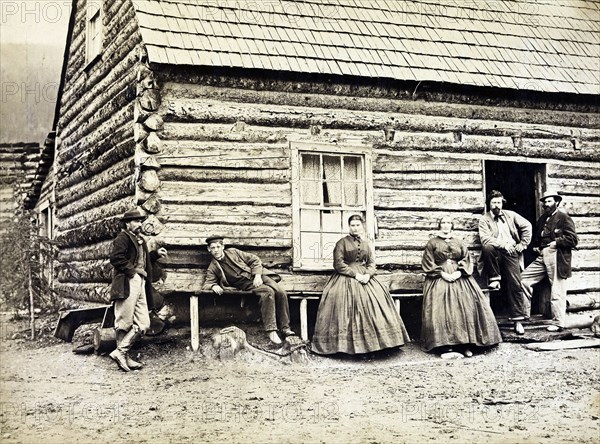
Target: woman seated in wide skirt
x,y
456,314
356,313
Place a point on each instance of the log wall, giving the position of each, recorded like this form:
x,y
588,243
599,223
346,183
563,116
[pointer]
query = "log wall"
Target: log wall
x,y
226,169
96,168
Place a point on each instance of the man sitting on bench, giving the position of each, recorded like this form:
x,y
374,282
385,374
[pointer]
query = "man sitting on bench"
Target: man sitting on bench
x,y
244,271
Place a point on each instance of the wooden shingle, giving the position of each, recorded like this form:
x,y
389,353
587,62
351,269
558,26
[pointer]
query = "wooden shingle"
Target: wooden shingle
x,y
554,46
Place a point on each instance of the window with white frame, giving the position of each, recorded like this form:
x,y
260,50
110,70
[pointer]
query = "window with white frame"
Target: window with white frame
x,y
94,30
331,184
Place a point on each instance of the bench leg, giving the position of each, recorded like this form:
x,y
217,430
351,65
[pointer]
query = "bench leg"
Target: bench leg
x,y
194,322
397,304
303,320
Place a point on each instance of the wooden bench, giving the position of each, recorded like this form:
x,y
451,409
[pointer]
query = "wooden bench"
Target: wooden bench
x,y
302,296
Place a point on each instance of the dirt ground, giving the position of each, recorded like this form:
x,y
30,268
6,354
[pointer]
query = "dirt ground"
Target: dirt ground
x,y
510,394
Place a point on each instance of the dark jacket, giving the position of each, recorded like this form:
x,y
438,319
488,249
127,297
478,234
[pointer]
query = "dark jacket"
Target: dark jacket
x,y
122,257
250,264
562,230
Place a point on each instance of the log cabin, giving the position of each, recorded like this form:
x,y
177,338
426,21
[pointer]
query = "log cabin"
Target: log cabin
x,y
271,122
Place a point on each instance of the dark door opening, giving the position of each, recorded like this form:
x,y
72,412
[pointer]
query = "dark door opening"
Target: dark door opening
x,y
522,185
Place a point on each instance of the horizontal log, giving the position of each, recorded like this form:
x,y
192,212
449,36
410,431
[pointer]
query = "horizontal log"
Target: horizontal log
x,y
102,136
197,174
97,231
199,258
581,319
574,186
581,206
586,259
370,98
429,181
424,220
584,281
588,241
591,171
428,200
124,188
231,192
586,224
402,239
121,151
100,250
183,239
91,292
216,213
120,170
93,271
108,210
226,155
579,302
408,163
504,147
212,110
222,133
253,233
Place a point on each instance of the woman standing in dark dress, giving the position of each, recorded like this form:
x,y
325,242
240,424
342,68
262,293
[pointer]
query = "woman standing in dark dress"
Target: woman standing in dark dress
x,y
455,310
356,313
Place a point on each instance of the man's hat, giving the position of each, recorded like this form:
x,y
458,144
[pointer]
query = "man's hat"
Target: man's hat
x,y
553,194
214,238
136,214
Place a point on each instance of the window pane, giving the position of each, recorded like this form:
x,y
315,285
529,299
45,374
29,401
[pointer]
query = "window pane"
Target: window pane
x,y
309,220
311,246
347,215
332,194
332,221
353,194
310,192
310,166
332,168
329,241
352,168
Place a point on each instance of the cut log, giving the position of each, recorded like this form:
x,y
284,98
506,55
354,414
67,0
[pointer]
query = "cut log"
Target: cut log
x,y
154,122
190,86
150,100
580,302
139,133
153,144
152,204
97,231
149,181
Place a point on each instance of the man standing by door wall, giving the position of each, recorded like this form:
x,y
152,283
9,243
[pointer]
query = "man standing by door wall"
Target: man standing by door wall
x,y
553,240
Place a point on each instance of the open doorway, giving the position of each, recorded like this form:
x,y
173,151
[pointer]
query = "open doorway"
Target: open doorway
x,y
522,184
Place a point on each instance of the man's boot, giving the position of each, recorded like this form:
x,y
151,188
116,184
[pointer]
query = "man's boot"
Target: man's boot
x,y
131,363
125,341
118,355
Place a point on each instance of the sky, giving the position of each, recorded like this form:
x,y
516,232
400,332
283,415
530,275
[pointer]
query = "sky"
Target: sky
x,y
32,40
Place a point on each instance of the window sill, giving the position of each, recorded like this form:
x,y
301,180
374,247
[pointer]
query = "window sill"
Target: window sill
x,y
89,65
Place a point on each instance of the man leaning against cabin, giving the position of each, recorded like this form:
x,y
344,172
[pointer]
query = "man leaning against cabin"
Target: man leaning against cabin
x,y
504,236
553,240
244,271
131,288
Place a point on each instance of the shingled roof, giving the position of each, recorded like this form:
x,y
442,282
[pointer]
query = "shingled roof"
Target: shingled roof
x,y
543,45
